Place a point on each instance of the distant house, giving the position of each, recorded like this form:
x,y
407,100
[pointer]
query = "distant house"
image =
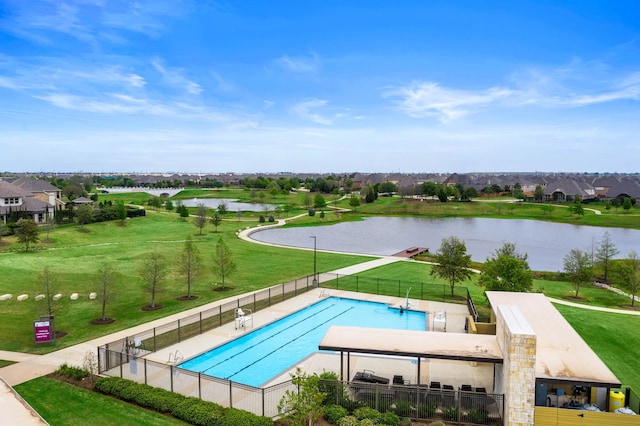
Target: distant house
x,y
15,200
568,190
624,189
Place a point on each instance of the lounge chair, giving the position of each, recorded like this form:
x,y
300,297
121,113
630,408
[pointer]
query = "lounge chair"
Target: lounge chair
x,y
367,376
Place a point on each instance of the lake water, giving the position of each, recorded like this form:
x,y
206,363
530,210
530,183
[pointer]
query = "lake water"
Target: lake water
x,y
546,243
232,205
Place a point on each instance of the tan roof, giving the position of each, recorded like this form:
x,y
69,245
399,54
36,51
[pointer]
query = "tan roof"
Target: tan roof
x,y
561,354
425,344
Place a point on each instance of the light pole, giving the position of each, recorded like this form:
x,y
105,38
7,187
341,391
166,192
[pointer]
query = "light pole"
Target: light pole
x,y
315,279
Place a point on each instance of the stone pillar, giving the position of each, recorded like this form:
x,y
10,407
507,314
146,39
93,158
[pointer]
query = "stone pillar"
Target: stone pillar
x,y
516,378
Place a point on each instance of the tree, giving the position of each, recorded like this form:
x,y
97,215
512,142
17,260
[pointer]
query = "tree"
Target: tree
x,y
49,225
429,189
84,214
631,271
155,202
303,405
547,208
453,262
442,194
627,204
605,253
577,207
469,193
106,279
183,211
223,263
387,187
319,201
48,283
216,219
538,194
507,270
121,212
153,274
201,217
223,208
306,200
168,205
354,201
577,265
26,231
190,263
370,194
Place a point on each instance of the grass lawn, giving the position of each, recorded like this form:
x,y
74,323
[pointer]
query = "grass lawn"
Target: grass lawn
x,y
614,337
73,258
61,404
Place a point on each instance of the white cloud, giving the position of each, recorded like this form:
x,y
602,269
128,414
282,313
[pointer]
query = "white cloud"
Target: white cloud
x,y
429,99
299,63
175,77
308,111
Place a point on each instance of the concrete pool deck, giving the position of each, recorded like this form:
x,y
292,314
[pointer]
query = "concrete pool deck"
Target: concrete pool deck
x,y
450,372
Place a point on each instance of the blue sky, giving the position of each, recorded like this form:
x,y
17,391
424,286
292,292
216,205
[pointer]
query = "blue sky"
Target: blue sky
x,y
207,86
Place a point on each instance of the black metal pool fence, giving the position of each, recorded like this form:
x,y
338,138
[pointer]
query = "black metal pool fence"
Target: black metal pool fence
x,y
125,357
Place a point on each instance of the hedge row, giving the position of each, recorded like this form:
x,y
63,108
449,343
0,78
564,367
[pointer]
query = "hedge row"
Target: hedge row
x,y
192,410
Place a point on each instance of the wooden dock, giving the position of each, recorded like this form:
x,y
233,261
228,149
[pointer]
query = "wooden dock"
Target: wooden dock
x,y
411,252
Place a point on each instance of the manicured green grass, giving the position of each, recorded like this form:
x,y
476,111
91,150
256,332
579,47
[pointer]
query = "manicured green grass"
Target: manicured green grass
x,y
74,257
60,403
4,363
614,337
501,210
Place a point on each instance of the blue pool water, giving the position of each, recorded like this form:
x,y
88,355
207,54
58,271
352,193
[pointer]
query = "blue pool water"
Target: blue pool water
x,y
256,357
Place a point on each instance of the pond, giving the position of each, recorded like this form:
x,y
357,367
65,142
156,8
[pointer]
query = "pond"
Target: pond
x,y
232,204
545,243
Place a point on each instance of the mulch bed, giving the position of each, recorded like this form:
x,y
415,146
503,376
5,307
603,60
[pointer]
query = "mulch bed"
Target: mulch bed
x,y
152,308
101,321
184,298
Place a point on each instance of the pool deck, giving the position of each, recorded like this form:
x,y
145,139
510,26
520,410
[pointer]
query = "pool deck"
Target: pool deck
x,y
449,372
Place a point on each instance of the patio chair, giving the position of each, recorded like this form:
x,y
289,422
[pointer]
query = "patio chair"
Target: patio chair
x,y
448,396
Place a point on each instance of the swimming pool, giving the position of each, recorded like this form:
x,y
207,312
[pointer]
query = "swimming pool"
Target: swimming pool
x,y
261,354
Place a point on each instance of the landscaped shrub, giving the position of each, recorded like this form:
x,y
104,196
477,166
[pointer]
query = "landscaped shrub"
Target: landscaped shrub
x,y
403,408
389,419
155,398
271,218
367,422
112,385
76,373
427,411
198,412
479,416
450,413
332,387
235,417
349,421
405,421
350,404
312,212
261,219
333,413
367,413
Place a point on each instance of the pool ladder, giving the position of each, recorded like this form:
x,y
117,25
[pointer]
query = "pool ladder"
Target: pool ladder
x,y
175,357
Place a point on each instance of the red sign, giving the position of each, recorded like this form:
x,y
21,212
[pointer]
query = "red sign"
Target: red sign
x,y
42,331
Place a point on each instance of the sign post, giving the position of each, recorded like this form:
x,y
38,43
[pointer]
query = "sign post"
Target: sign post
x,y
43,330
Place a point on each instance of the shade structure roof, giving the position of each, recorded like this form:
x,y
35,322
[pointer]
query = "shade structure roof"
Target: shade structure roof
x,y
561,354
423,344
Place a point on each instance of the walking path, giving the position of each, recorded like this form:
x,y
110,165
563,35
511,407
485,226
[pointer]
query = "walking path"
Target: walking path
x,y
13,410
